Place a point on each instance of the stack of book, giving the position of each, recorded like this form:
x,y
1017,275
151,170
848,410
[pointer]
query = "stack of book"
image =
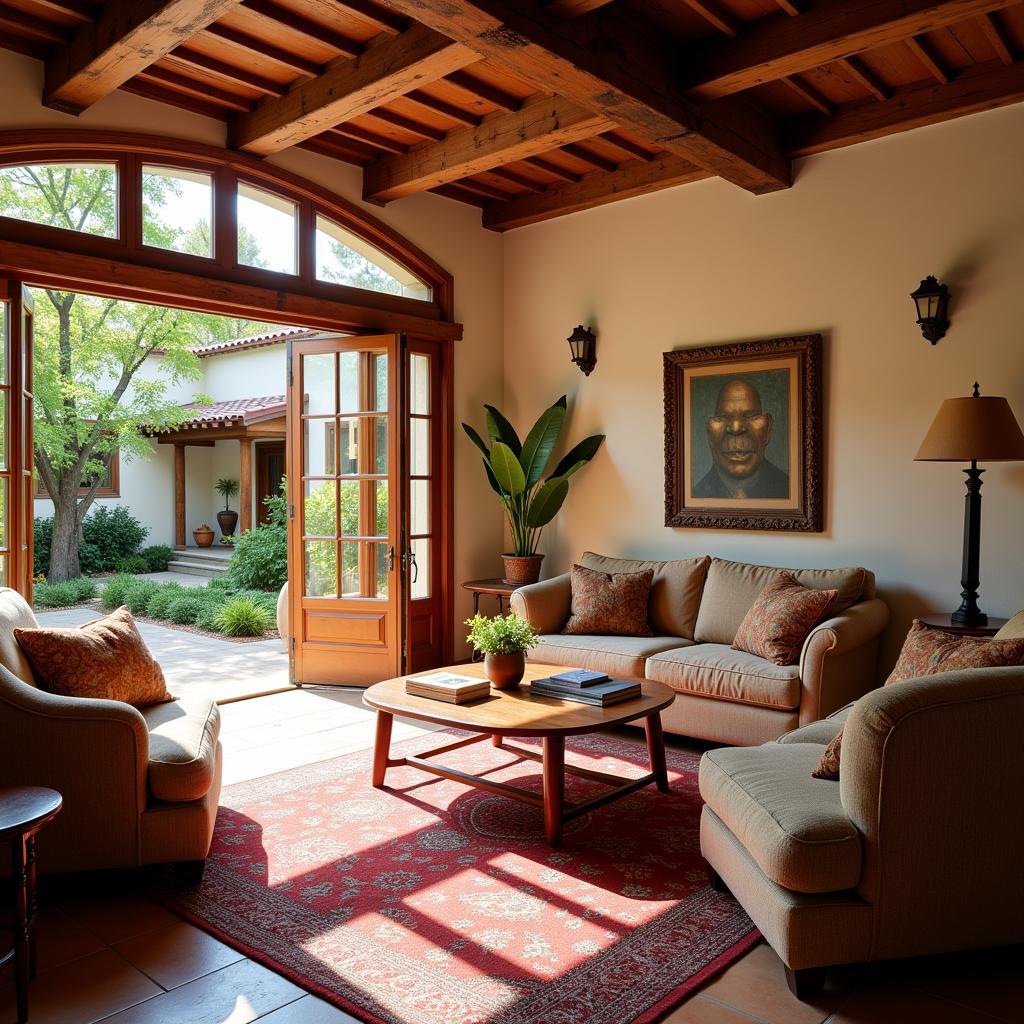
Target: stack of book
x,y
448,686
587,687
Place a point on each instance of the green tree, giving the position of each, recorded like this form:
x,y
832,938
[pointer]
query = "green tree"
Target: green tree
x,y
349,267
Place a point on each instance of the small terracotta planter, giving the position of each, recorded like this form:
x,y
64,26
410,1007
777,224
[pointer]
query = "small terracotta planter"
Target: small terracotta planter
x,y
505,671
522,569
203,537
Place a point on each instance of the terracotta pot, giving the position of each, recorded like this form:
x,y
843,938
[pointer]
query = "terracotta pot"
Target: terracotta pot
x,y
203,537
227,520
505,671
522,569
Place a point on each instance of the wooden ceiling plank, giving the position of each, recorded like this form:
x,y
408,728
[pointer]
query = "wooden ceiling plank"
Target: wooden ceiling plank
x,y
517,179
595,189
997,38
544,123
349,88
379,142
584,154
127,36
194,87
984,87
228,71
484,90
927,59
866,77
555,170
628,146
338,148
388,20
482,188
304,26
33,27
80,10
809,94
440,106
607,63
153,91
424,131
277,54
460,194
573,8
777,46
713,15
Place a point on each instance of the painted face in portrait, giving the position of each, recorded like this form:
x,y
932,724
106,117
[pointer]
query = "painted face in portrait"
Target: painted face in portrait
x,y
739,431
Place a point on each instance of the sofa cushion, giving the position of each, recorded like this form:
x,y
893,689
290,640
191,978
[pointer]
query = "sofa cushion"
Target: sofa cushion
x,y
614,604
15,614
675,590
732,588
716,670
1013,629
822,732
929,651
794,826
182,748
616,655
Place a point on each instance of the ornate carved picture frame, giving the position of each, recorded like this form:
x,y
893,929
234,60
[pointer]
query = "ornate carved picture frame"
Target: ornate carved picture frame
x,y
743,436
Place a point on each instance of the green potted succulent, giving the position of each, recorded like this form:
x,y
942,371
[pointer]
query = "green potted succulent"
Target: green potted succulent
x,y
515,471
504,641
227,519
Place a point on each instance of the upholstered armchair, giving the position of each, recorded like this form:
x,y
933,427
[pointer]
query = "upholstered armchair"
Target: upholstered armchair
x,y
139,787
916,850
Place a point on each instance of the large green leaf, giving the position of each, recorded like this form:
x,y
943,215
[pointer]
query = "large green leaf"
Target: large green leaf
x,y
583,452
546,502
495,486
507,471
540,442
476,439
500,429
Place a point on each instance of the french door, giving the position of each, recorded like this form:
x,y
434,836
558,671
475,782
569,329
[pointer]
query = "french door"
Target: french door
x,y
367,593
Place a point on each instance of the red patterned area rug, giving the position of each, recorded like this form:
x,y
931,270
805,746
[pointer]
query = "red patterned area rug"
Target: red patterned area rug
x,y
432,903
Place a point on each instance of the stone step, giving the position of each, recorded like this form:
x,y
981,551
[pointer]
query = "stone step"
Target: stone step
x,y
212,567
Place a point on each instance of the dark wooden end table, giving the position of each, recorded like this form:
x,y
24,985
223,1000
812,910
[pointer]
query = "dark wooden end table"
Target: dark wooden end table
x,y
495,588
944,623
518,712
24,811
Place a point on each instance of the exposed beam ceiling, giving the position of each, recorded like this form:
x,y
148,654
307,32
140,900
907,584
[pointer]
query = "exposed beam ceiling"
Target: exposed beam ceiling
x,y
540,125
348,88
633,179
778,45
603,61
126,37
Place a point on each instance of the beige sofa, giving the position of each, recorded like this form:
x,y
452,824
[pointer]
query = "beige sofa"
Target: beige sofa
x,y
139,787
696,607
914,851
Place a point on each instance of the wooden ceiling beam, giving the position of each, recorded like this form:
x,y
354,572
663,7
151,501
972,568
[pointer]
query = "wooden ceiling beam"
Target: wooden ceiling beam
x,y
392,23
604,61
444,107
778,46
594,189
555,170
517,179
80,10
379,142
544,123
927,59
984,87
714,15
809,94
229,72
861,73
484,90
349,88
193,87
304,26
584,154
997,39
424,131
127,36
33,27
792,9
627,146
573,8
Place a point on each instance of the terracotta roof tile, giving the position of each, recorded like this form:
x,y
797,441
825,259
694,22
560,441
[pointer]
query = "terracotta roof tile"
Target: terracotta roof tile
x,y
237,411
277,337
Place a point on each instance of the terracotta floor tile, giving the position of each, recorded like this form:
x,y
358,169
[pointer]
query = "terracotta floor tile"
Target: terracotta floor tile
x,y
756,984
309,1010
988,980
82,991
888,1005
699,1010
238,994
114,918
177,954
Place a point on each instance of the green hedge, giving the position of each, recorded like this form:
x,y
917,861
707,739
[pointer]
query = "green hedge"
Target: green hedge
x,y
63,595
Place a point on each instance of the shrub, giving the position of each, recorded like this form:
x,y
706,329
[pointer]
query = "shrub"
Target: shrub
x,y
222,583
185,608
260,558
212,602
42,537
157,556
135,565
113,595
161,599
138,595
64,595
240,616
267,601
109,534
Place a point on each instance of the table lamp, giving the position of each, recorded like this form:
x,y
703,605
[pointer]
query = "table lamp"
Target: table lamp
x,y
975,429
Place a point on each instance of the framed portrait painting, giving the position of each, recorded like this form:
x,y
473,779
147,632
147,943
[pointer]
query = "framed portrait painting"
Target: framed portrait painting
x,y
743,435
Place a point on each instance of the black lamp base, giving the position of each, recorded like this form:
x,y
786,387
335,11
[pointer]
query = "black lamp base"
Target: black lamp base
x,y
969,614
969,618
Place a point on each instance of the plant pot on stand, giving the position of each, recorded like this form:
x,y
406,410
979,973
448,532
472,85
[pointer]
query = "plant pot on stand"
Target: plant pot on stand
x,y
227,520
522,569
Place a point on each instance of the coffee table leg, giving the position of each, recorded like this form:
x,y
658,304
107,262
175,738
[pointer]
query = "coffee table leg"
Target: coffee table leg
x,y
381,747
19,869
656,750
554,788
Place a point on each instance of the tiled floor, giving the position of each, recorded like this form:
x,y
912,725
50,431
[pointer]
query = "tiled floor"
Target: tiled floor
x,y
109,954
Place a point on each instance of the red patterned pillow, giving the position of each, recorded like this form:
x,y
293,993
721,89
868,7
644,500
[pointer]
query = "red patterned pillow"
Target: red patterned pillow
x,y
779,620
106,658
828,766
614,604
927,651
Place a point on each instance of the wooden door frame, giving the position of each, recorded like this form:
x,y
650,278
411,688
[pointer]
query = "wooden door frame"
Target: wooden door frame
x,y
262,490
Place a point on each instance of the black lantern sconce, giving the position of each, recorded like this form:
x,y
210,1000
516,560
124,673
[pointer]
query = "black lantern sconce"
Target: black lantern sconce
x,y
932,301
583,346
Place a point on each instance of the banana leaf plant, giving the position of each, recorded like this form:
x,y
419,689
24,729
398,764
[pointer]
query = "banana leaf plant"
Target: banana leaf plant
x,y
515,470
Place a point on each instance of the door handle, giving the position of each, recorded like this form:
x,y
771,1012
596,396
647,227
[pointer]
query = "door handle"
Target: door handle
x,y
414,568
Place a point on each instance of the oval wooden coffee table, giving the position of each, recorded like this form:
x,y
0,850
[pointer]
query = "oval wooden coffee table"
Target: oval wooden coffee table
x,y
520,713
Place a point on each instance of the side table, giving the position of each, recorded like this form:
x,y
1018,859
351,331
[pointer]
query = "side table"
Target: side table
x,y
943,622
495,588
24,811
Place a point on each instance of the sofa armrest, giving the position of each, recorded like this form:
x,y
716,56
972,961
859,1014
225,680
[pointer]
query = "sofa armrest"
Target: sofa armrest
x,y
545,605
839,659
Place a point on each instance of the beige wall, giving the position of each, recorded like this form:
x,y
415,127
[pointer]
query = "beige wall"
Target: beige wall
x,y
449,231
839,254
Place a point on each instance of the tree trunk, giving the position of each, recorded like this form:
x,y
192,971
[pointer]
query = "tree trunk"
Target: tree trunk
x,y
64,563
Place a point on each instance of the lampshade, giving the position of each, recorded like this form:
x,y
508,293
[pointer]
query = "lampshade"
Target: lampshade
x,y
981,429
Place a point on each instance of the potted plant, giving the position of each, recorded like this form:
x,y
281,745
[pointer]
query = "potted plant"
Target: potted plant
x,y
228,540
203,536
227,519
504,641
514,470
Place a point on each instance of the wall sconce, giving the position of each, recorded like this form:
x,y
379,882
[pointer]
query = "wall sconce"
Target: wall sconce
x,y
583,346
932,301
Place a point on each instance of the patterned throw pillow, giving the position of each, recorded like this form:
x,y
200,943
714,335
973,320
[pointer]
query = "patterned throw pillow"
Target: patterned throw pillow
x,y
614,604
779,620
925,653
106,658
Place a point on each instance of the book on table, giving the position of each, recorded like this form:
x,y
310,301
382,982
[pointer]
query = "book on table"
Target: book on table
x,y
447,686
580,677
600,694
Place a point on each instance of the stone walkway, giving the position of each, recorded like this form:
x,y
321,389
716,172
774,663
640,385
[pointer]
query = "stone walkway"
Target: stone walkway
x,y
196,665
